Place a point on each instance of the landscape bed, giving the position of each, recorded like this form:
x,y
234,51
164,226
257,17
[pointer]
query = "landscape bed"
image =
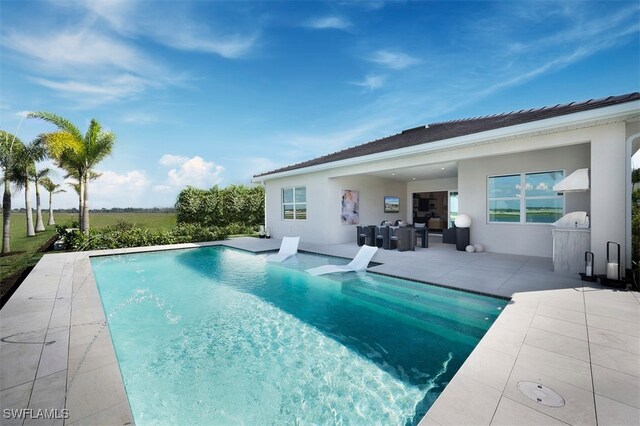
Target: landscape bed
x,y
217,334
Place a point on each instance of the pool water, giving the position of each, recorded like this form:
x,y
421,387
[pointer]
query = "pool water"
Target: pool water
x,y
217,335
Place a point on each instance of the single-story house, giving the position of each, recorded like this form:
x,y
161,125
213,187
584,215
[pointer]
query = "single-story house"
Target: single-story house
x,y
499,170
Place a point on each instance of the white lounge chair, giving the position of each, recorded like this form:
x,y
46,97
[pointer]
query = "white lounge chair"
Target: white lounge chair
x,y
359,263
288,248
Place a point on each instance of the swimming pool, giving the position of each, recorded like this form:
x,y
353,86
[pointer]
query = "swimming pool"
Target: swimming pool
x,y
216,335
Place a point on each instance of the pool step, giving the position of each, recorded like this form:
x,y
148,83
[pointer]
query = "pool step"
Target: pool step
x,y
419,317
400,314
469,301
422,303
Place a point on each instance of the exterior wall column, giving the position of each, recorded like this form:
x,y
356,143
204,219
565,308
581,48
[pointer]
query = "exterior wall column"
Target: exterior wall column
x,y
608,195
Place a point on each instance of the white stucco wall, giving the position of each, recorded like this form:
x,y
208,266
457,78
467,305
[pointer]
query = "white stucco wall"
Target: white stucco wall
x,y
599,147
526,239
608,193
324,194
372,191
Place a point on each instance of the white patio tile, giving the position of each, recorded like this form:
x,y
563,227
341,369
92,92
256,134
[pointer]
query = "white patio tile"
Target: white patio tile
x,y
24,359
561,367
615,385
48,393
623,342
625,362
54,354
15,398
614,413
620,311
465,401
117,415
504,339
511,413
488,366
561,314
579,407
619,326
94,391
558,343
565,328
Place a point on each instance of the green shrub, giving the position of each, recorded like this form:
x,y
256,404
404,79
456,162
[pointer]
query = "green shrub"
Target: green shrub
x,y
235,204
125,235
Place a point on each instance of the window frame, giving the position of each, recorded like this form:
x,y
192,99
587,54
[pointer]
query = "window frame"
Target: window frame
x,y
522,198
295,204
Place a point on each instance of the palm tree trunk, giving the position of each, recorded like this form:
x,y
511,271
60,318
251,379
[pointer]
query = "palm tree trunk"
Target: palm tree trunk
x,y
51,221
85,210
81,201
39,224
27,206
6,218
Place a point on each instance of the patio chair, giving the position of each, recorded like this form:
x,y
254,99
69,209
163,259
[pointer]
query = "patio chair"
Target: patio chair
x,y
359,263
406,239
288,248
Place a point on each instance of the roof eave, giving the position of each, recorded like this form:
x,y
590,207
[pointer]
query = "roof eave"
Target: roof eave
x,y
604,113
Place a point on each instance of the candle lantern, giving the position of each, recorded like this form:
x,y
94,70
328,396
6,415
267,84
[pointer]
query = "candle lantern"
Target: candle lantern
x,y
589,263
613,265
613,277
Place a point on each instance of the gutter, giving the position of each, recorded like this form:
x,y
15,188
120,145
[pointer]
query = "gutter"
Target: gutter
x,y
604,113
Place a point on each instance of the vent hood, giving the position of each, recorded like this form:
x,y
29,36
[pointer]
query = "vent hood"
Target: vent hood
x,y
577,181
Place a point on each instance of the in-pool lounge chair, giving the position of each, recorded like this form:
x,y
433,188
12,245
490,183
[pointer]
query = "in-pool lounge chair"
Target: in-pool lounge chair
x,y
288,248
359,263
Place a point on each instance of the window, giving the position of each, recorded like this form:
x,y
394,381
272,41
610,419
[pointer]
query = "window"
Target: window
x,y
525,198
294,203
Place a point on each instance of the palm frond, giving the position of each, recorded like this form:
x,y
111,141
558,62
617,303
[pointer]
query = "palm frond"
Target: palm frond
x,y
60,122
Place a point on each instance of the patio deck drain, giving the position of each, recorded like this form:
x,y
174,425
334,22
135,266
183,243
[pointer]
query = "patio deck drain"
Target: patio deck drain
x,y
541,394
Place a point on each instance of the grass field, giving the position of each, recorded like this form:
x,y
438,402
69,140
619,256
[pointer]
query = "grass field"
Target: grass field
x,y
24,249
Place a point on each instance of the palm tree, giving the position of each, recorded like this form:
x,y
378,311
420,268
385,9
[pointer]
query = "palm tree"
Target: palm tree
x,y
75,184
77,154
37,178
24,169
52,188
10,150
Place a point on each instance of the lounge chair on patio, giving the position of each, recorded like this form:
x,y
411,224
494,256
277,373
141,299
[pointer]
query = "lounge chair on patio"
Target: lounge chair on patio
x,y
359,263
288,248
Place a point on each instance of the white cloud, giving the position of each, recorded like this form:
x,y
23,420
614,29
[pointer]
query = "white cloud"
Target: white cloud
x,y
112,183
172,160
393,60
67,50
106,90
22,114
128,19
231,47
329,22
371,82
140,118
193,171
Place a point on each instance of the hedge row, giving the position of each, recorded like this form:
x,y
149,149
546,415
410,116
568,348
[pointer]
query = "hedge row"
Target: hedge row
x,y
125,235
235,204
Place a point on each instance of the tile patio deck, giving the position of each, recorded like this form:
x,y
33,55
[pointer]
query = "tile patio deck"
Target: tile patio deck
x,y
583,341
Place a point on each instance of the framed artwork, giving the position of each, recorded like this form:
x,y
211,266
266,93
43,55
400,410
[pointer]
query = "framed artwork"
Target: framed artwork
x,y
391,204
350,213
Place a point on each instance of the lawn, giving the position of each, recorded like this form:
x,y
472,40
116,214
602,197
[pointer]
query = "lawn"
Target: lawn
x,y
24,250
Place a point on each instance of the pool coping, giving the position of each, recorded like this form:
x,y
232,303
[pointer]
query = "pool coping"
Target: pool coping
x,y
65,373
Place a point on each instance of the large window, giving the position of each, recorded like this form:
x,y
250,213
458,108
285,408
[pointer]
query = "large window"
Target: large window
x,y
525,198
294,203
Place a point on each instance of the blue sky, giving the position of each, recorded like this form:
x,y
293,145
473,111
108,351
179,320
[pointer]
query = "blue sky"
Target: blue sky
x,y
208,92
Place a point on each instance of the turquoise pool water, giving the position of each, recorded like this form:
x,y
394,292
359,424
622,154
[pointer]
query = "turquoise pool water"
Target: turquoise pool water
x,y
219,336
